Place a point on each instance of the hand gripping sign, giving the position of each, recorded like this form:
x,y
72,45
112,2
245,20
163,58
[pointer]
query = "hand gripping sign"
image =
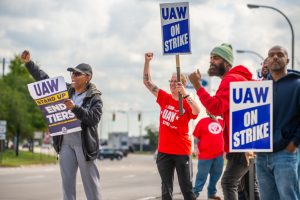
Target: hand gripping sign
x,y
175,33
49,94
251,116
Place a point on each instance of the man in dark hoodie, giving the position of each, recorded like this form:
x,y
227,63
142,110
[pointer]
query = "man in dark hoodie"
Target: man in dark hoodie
x,y
221,61
277,171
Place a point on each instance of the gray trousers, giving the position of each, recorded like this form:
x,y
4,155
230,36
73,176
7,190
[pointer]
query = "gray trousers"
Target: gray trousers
x,y
71,157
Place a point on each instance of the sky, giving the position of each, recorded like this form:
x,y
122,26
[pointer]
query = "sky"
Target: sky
x,y
112,36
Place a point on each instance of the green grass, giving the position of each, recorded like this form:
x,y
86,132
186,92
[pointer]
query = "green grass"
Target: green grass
x,y
8,158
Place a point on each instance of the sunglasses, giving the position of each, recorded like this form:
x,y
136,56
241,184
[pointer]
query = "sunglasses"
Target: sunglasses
x,y
76,74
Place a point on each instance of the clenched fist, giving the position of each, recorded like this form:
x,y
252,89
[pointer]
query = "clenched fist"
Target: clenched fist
x,y
195,79
148,56
25,56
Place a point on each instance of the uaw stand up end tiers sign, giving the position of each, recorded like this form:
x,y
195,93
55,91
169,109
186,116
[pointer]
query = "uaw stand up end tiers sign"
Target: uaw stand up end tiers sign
x,y
175,28
49,94
251,116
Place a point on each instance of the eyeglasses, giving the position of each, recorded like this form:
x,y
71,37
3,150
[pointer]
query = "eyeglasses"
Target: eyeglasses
x,y
76,74
173,81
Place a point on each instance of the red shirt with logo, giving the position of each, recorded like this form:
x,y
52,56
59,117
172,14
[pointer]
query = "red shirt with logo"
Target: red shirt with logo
x,y
209,132
173,129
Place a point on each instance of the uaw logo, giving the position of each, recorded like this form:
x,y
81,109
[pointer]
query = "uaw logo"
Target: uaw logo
x,y
214,128
64,130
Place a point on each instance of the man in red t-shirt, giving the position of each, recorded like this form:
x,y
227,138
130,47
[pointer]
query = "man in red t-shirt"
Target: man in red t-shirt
x,y
174,143
209,133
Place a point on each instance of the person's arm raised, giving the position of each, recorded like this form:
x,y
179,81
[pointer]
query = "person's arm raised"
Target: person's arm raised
x,y
147,77
33,69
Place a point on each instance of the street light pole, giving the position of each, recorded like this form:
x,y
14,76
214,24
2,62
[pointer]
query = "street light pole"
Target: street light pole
x,y
252,52
258,71
270,7
3,65
140,119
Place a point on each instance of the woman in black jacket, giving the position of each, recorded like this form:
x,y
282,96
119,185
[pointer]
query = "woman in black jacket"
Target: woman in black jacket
x,y
77,149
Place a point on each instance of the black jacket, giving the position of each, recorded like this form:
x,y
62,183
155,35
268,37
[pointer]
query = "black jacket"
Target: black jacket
x,y
89,113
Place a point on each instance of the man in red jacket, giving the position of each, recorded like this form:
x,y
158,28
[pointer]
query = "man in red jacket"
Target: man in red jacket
x,y
221,60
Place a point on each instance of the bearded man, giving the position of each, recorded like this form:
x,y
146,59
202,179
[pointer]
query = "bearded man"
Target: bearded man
x,y
221,62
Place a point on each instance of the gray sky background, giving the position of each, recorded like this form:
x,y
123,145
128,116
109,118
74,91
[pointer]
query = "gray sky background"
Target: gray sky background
x,y
112,36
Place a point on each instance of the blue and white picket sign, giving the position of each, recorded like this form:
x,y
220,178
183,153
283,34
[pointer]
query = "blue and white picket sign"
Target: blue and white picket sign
x,y
259,74
251,116
175,28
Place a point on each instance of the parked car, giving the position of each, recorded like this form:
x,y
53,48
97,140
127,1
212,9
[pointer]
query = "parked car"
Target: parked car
x,y
110,153
124,151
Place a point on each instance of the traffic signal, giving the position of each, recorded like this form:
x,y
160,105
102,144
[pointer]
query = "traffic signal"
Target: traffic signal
x,y
139,117
114,116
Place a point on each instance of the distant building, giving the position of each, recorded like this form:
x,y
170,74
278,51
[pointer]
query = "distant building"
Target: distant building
x,y
118,140
121,141
140,144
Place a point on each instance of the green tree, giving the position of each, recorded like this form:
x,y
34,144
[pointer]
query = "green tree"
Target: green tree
x,y
152,135
16,105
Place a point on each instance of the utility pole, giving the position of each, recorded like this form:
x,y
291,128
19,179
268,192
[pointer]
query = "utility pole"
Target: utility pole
x,y
3,64
140,119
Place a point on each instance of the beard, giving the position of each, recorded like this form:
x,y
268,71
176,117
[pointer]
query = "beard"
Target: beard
x,y
276,66
216,70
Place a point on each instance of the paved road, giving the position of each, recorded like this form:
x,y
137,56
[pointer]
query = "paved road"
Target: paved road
x,y
133,178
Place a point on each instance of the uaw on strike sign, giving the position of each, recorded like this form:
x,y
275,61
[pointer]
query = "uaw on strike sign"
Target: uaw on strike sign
x,y
175,28
251,116
49,94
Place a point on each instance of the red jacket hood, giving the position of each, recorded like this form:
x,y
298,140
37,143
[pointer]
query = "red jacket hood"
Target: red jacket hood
x,y
241,70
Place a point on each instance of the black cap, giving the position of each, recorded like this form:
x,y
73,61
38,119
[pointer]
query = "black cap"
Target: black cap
x,y
83,68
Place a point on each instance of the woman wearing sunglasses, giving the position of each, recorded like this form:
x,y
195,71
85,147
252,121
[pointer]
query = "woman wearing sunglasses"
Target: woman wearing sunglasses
x,y
174,143
77,149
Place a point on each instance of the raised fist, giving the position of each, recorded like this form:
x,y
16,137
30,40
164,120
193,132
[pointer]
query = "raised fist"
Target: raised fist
x,y
148,56
25,56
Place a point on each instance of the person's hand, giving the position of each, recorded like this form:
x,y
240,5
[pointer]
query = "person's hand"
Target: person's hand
x,y
224,155
148,56
69,103
196,152
195,78
249,155
291,147
181,89
25,56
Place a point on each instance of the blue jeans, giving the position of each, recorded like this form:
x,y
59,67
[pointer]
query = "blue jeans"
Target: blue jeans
x,y
299,169
277,175
214,168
